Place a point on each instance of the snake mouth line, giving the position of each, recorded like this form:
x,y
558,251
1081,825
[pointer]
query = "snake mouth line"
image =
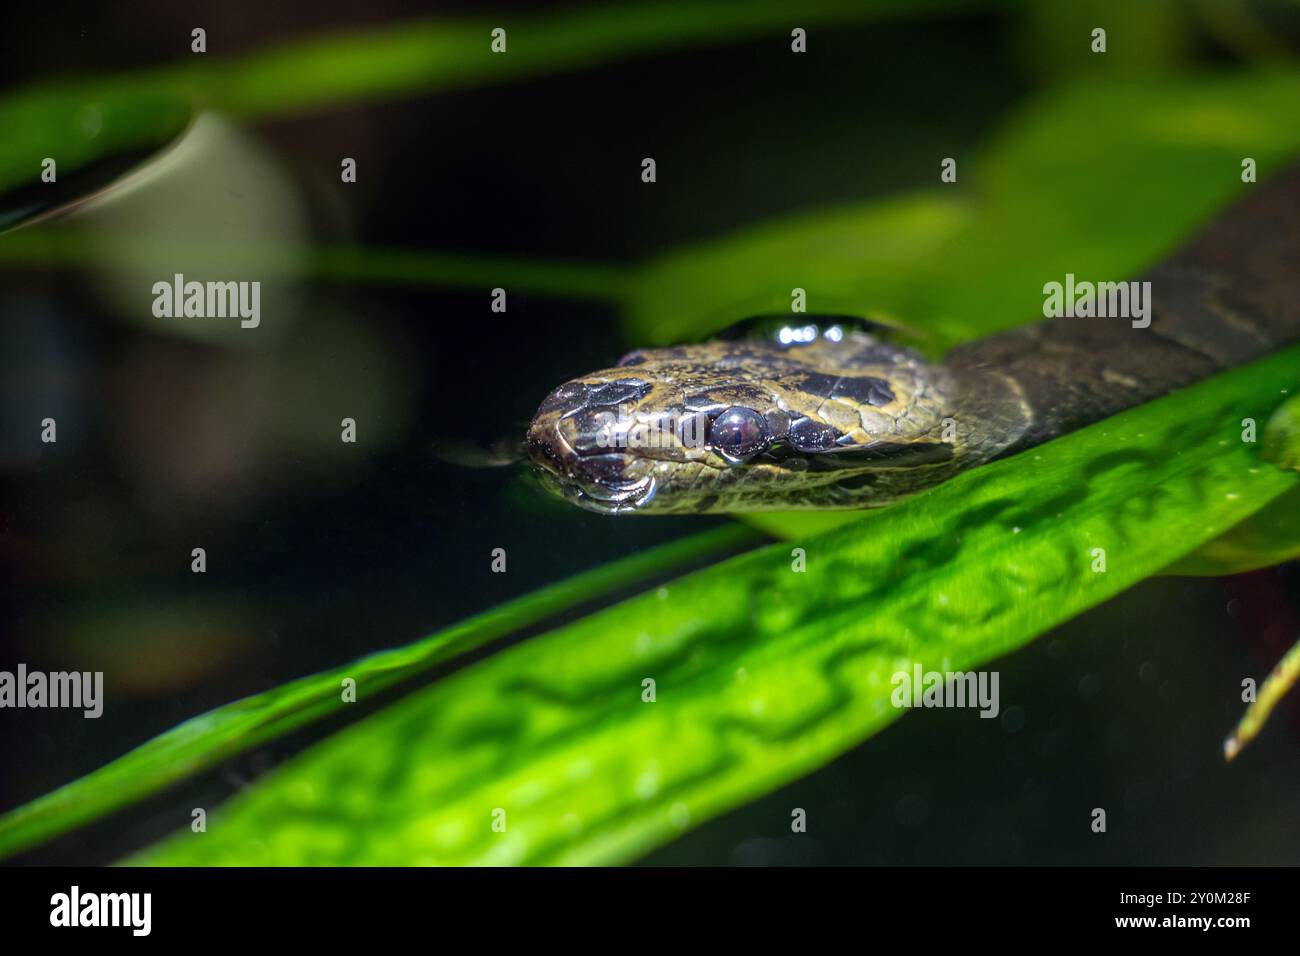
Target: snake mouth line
x,y
631,496
615,498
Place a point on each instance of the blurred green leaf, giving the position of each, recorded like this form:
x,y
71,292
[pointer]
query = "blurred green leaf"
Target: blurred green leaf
x,y
80,245
77,121
1098,180
860,260
77,124
762,673
232,729
1281,441
1141,38
1155,161
1271,535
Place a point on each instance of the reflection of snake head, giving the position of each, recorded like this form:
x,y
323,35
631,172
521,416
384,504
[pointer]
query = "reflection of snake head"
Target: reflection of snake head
x,y
811,418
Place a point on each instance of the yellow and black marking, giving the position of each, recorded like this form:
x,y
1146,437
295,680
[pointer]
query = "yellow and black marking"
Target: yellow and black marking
x,y
834,418
819,414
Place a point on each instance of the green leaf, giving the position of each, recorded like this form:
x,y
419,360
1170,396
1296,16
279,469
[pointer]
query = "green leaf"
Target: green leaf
x,y
1271,535
1281,444
968,260
802,524
105,249
79,121
762,673
234,728
1098,180
77,124
857,260
555,727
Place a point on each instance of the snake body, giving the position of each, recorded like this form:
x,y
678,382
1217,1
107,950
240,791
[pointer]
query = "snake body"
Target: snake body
x,y
823,414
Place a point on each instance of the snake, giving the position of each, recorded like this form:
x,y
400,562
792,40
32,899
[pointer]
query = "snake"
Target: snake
x,y
828,412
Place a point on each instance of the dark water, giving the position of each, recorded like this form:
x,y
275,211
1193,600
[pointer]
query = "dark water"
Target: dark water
x,y
316,557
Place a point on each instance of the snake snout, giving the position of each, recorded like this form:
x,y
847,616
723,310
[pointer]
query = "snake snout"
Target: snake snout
x,y
584,418
602,482
575,441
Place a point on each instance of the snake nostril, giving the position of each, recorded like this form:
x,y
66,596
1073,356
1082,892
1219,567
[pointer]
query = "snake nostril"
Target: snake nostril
x,y
591,430
541,449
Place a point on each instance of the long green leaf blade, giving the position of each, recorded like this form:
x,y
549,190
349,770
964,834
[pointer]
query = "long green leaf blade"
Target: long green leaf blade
x,y
234,728
1038,200
762,673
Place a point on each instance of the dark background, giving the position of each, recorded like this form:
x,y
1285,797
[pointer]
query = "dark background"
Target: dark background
x,y
315,560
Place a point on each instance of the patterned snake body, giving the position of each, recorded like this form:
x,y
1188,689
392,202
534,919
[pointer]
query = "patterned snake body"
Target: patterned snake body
x,y
825,415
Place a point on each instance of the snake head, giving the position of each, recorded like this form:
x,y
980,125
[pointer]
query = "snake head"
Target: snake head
x,y
743,426
597,440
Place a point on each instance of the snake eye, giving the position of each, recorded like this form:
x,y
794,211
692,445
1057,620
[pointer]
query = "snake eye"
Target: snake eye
x,y
738,433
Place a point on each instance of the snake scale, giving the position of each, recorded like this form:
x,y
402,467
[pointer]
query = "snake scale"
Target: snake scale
x,y
824,414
